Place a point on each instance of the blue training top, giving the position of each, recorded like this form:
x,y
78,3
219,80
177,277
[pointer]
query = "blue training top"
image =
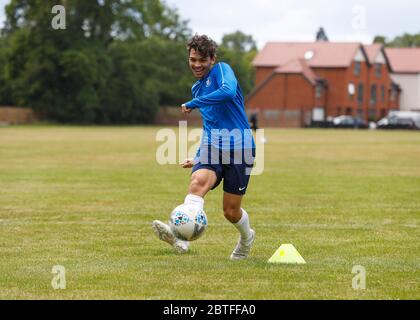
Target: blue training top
x,y
219,98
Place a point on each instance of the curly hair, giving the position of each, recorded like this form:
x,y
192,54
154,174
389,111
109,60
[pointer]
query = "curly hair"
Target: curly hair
x,y
204,45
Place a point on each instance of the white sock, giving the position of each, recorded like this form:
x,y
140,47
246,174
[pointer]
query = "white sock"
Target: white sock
x,y
243,226
193,199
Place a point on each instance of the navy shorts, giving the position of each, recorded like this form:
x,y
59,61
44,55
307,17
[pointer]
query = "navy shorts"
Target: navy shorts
x,y
233,167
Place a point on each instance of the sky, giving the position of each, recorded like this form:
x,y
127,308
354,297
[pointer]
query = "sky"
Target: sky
x,y
297,20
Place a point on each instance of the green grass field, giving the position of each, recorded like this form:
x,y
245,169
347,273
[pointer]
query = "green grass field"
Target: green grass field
x,y
85,197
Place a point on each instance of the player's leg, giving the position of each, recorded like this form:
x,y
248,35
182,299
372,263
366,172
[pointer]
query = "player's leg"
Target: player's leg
x,y
164,233
236,179
202,181
240,219
232,207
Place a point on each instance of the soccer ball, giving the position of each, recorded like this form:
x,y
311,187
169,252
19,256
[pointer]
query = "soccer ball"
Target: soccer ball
x,y
188,222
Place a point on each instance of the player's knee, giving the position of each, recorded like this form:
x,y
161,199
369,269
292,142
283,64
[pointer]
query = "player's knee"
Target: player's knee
x,y
231,212
198,184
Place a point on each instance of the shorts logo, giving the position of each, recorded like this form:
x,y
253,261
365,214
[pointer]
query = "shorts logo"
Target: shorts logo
x,y
242,189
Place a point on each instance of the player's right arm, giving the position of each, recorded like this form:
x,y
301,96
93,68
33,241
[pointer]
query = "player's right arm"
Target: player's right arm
x,y
227,83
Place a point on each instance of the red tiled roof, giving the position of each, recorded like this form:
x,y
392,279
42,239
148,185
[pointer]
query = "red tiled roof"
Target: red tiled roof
x,y
325,54
404,60
298,66
372,50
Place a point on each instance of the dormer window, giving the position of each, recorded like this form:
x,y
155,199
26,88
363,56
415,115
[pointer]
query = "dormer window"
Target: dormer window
x,y
357,68
378,70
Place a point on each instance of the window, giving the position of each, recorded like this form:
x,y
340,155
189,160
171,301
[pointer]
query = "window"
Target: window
x,y
360,112
373,94
349,111
360,93
351,90
357,68
378,70
383,94
338,111
318,91
394,93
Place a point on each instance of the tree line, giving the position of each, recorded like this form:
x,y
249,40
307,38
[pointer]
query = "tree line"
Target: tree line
x,y
404,41
116,61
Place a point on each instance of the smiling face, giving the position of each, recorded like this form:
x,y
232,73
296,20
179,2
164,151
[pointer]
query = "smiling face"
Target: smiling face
x,y
200,66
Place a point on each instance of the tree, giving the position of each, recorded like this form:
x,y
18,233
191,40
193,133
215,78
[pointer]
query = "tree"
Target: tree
x,y
239,49
380,39
4,85
104,67
404,41
157,74
104,20
239,42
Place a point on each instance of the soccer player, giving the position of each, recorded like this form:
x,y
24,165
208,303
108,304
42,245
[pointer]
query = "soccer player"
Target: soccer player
x,y
218,97
253,119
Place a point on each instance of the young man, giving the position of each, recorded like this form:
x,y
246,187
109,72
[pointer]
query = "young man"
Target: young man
x,y
219,99
253,119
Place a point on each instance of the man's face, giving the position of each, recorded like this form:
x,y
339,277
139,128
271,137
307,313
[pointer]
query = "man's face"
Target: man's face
x,y
199,65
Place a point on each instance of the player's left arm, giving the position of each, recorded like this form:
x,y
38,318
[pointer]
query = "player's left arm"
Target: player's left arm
x,y
227,84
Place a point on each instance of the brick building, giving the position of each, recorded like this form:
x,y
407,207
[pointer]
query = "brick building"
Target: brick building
x,y
300,82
